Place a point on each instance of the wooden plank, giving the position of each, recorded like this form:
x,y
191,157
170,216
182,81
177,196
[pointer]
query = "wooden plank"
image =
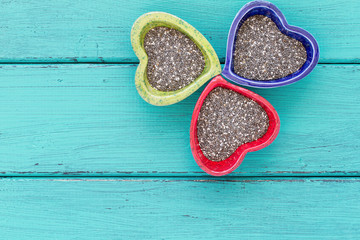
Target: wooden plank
x,y
79,119
179,208
97,31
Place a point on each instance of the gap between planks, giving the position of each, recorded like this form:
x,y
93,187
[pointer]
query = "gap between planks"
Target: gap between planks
x,y
146,176
222,61
190,179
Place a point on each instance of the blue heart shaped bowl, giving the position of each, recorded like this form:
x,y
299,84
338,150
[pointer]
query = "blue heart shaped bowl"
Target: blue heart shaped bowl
x,y
270,10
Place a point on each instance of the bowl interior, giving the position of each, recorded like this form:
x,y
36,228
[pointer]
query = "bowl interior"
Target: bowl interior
x,y
207,67
287,31
231,163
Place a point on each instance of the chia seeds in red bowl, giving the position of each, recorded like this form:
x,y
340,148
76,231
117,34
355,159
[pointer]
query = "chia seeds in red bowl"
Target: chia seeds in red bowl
x,y
228,122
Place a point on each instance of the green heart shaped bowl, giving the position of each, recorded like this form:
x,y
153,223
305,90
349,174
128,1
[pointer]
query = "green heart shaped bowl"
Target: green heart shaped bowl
x,y
160,19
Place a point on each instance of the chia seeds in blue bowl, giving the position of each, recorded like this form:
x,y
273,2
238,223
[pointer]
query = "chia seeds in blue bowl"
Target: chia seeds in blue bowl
x,y
260,56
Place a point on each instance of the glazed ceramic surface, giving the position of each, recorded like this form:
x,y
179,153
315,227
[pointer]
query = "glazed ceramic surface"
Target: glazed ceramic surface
x,y
270,10
231,163
156,19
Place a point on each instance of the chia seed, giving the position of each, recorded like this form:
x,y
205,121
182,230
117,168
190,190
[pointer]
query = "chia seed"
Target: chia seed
x,y
174,60
262,52
226,121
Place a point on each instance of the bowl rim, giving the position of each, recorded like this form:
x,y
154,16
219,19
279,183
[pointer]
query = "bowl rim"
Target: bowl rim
x,y
230,164
160,98
229,73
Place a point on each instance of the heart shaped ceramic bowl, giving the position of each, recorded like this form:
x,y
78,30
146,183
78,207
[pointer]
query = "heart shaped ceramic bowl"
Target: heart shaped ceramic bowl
x,y
231,163
271,11
160,19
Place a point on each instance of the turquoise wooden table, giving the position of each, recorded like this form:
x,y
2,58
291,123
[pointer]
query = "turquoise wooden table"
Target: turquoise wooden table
x,y
82,156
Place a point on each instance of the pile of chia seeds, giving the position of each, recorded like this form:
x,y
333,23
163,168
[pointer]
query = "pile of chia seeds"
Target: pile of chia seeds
x,y
227,120
262,52
174,60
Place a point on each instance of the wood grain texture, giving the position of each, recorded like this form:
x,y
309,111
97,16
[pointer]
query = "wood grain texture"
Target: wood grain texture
x,y
179,208
88,120
97,31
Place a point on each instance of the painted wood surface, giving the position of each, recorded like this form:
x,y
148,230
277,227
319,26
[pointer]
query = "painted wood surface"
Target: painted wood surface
x,y
137,177
88,120
175,208
97,31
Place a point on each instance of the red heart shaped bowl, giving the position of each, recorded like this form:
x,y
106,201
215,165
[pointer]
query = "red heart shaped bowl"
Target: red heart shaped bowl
x,y
228,165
